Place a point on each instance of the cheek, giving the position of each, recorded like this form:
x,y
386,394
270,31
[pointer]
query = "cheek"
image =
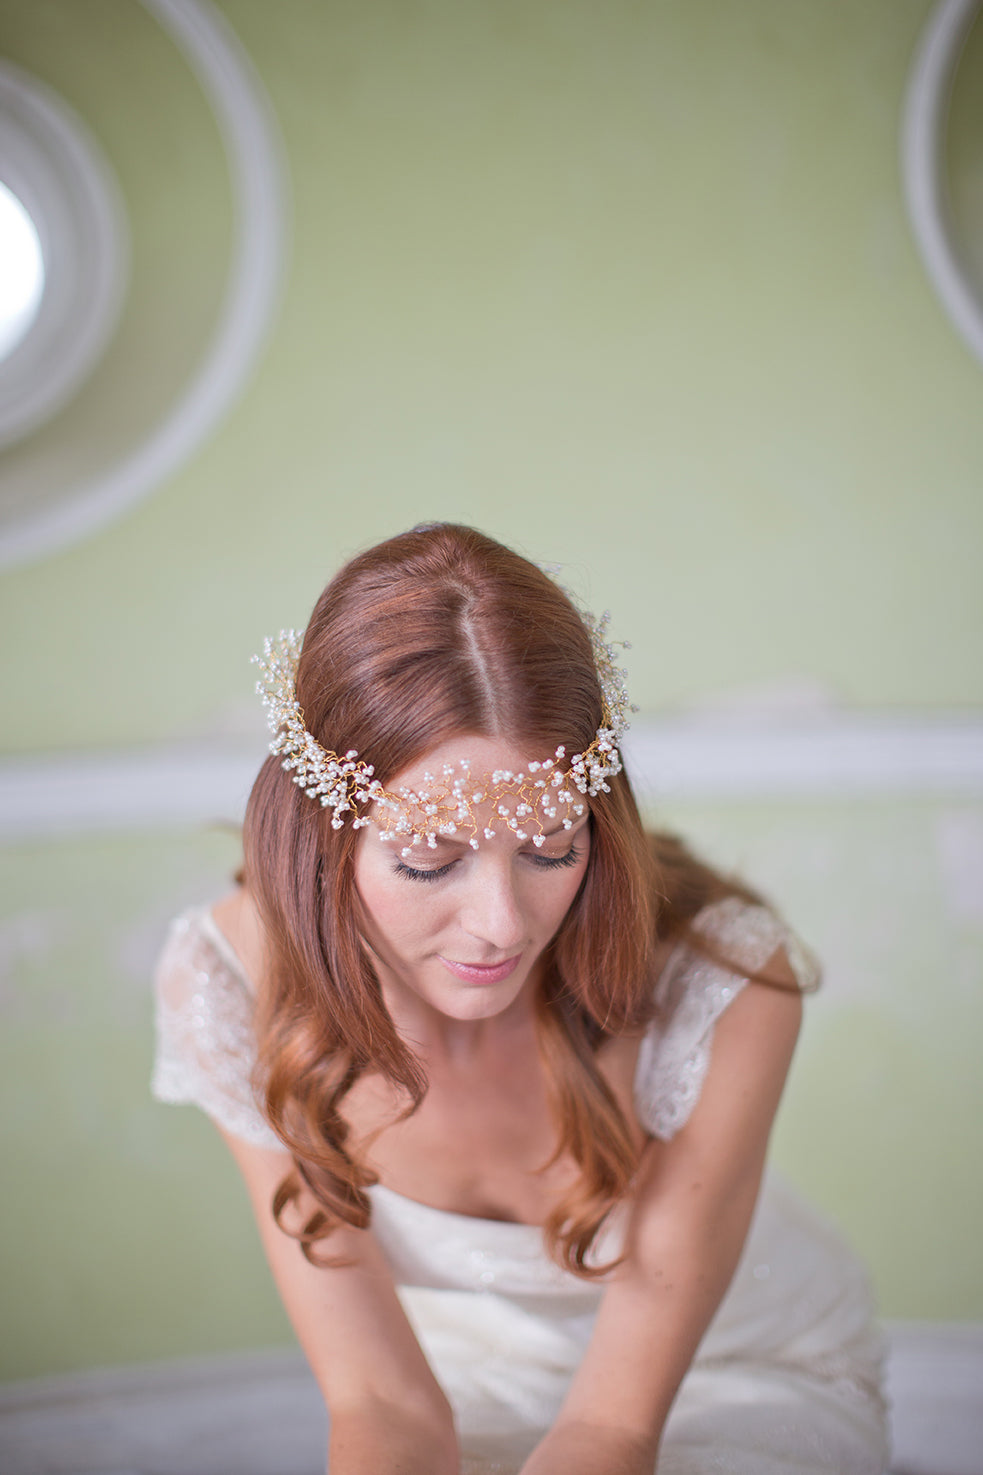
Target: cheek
x,y
550,912
409,916
395,912
572,891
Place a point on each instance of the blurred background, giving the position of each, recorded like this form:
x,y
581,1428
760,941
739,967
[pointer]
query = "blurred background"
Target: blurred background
x,y
632,287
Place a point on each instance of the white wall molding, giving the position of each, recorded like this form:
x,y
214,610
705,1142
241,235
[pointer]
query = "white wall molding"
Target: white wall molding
x,y
866,755
923,137
257,174
73,794
57,169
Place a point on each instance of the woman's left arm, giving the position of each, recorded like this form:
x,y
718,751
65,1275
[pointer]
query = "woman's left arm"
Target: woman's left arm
x,y
689,1218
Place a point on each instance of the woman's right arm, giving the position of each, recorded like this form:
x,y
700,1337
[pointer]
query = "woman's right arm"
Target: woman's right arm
x,y
388,1414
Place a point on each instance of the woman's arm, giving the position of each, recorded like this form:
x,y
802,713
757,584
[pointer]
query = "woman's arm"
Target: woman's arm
x,y
690,1216
388,1415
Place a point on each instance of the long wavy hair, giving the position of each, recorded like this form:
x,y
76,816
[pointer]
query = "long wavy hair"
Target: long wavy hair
x,y
434,634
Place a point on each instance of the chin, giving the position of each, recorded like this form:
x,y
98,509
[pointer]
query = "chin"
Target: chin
x,y
465,1001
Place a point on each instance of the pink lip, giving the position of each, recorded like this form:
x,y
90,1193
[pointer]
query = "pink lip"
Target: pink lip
x,y
480,973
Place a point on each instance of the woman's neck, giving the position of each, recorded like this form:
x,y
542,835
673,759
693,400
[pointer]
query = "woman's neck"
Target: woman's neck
x,y
441,1042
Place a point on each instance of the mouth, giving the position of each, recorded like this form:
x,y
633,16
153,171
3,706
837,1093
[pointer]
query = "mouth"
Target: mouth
x,y
480,972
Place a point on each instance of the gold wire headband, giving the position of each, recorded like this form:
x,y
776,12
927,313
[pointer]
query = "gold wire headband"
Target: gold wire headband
x,y
447,806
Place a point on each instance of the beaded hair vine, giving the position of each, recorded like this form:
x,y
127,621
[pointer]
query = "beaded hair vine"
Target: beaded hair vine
x,y
448,805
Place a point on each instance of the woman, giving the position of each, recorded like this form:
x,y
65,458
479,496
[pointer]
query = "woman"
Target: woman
x,y
455,1026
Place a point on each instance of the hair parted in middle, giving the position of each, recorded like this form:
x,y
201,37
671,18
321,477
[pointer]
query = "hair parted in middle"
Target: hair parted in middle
x,y
438,633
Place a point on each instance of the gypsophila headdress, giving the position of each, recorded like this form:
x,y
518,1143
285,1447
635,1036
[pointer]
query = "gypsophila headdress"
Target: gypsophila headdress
x,y
449,805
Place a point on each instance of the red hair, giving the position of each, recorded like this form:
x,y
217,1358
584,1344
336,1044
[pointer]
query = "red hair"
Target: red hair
x,y
433,634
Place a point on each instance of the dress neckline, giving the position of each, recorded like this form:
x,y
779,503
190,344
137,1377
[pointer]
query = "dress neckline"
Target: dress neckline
x,y
515,1227
234,963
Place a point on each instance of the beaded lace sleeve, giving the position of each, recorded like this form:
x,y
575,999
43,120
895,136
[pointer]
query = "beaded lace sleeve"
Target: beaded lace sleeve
x,y
692,993
206,1047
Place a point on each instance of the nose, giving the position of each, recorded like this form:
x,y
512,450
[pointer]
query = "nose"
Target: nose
x,y
491,913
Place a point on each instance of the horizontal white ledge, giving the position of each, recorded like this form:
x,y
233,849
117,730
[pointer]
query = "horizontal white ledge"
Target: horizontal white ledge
x,y
693,758
828,755
161,788
262,1410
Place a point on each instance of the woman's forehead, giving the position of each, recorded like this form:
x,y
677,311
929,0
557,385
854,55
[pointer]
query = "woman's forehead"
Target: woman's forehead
x,y
474,789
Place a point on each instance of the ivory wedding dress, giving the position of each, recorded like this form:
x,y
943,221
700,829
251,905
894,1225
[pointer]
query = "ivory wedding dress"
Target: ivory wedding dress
x,y
787,1378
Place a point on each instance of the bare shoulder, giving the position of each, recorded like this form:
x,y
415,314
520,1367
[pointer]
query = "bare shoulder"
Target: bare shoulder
x,y
237,918
754,1040
778,972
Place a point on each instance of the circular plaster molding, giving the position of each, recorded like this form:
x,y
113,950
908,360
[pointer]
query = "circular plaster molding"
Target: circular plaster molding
x,y
923,137
56,169
257,175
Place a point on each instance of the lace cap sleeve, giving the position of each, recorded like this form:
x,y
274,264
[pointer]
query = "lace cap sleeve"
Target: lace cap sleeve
x,y
692,993
206,1047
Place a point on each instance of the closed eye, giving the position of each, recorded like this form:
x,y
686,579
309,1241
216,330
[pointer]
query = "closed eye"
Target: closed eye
x,y
542,862
550,862
413,874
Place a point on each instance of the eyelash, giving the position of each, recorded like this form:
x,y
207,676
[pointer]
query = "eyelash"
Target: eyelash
x,y
544,862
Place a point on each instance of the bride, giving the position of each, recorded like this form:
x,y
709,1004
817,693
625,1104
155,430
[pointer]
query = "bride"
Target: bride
x,y
499,1070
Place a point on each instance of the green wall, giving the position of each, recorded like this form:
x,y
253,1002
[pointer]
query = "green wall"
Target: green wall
x,y
632,287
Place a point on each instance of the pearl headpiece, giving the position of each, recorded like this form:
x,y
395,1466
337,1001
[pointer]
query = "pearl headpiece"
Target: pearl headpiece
x,y
449,804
